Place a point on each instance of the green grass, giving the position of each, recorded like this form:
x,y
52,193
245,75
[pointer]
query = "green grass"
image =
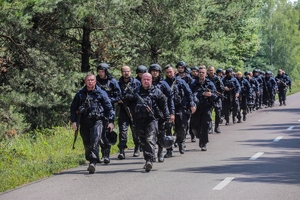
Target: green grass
x,y
40,154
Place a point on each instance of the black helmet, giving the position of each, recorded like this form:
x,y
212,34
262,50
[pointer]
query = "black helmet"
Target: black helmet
x,y
229,70
219,70
188,70
195,68
250,104
141,69
156,67
268,73
167,141
255,71
247,73
181,63
103,66
110,138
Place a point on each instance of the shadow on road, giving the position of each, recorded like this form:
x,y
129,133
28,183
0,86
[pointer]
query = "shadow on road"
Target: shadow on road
x,y
276,170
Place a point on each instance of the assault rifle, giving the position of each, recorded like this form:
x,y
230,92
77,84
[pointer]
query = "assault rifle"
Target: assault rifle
x,y
76,131
283,83
142,100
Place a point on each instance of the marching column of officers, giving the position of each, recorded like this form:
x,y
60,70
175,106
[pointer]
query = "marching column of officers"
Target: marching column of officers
x,y
156,108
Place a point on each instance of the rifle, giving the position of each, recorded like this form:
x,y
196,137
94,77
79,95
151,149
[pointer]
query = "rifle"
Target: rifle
x,y
142,100
76,131
283,83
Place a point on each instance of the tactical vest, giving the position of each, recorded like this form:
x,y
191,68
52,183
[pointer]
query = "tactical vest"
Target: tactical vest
x,y
92,107
141,108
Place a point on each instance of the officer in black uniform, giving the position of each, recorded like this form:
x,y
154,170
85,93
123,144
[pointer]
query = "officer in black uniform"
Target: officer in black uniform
x,y
220,92
282,81
244,95
232,91
195,72
107,83
259,98
146,98
253,91
125,118
270,89
93,106
205,91
183,101
140,70
182,72
158,82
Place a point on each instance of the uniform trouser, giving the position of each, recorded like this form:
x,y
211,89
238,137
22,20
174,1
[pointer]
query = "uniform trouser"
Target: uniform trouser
x,y
200,123
243,107
147,131
123,124
230,104
260,100
161,131
218,112
91,132
281,94
181,123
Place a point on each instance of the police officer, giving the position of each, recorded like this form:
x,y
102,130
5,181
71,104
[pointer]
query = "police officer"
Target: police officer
x,y
146,98
183,101
244,95
182,72
269,89
220,90
232,91
158,82
194,72
140,70
259,97
125,114
107,83
93,105
282,81
253,91
205,91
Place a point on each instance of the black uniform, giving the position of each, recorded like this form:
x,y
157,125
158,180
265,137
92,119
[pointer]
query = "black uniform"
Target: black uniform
x,y
125,116
251,99
111,87
231,102
96,107
201,119
243,98
218,102
269,91
283,82
144,112
183,100
259,97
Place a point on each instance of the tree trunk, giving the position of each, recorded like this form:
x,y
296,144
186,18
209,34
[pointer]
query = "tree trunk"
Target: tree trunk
x,y
86,45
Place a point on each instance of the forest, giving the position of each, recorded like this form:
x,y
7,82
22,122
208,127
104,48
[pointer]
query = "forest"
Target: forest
x,y
48,46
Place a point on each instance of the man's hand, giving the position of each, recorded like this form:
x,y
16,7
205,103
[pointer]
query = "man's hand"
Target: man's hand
x,y
172,118
193,109
226,88
237,95
74,125
111,126
207,94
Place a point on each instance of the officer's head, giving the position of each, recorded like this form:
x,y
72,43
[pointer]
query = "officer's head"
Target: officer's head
x,y
155,70
239,75
229,72
126,72
146,80
181,67
280,71
170,71
90,81
268,73
202,74
103,70
247,74
140,70
195,71
219,71
211,71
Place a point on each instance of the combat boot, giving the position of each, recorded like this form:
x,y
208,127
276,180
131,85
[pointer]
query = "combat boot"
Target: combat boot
x,y
168,154
136,152
148,166
160,156
217,130
244,117
92,168
284,103
121,155
106,158
181,148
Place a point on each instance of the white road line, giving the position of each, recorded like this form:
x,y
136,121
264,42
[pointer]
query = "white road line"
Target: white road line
x,y
290,128
277,139
256,156
225,182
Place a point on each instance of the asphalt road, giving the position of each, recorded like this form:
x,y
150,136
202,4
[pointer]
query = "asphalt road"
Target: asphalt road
x,y
257,159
